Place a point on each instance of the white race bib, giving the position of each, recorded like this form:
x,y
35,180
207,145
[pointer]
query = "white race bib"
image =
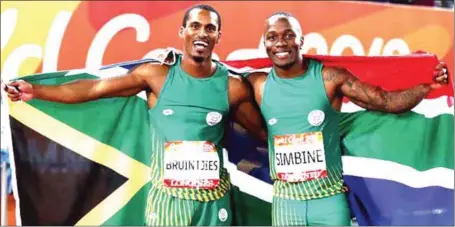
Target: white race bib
x,y
300,157
191,164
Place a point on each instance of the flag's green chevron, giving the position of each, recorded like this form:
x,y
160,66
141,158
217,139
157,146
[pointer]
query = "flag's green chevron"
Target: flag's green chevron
x,y
391,147
49,120
135,171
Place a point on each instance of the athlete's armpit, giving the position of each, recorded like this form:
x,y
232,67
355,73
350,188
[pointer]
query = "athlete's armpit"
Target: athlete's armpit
x,y
373,97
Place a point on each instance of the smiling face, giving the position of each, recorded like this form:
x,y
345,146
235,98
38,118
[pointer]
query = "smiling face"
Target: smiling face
x,y
200,34
283,40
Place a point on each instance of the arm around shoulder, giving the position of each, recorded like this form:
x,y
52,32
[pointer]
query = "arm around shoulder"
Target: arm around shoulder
x,y
244,109
256,78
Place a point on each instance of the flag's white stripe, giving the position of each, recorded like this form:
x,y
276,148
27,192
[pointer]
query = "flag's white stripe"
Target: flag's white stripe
x,y
428,107
248,183
111,72
76,71
353,166
142,95
388,170
434,107
248,69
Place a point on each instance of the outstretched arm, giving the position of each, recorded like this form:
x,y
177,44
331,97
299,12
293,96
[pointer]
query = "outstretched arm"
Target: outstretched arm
x,y
83,90
374,98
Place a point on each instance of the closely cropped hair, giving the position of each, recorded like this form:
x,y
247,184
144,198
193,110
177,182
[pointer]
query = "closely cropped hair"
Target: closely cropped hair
x,y
282,13
204,7
287,16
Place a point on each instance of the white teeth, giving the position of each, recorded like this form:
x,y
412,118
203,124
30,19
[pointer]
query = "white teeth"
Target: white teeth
x,y
200,43
282,54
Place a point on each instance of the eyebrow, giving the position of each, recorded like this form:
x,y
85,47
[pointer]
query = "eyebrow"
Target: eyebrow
x,y
285,31
289,30
195,21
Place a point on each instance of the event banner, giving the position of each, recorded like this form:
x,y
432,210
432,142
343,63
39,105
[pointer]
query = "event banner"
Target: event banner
x,y
59,35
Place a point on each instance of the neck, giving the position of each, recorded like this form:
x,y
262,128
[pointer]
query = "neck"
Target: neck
x,y
297,69
197,69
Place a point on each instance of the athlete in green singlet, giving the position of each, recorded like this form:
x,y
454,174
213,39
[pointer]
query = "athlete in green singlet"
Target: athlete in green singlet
x,y
300,100
190,97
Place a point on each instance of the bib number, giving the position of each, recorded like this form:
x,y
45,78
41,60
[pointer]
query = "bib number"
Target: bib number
x,y
191,164
300,157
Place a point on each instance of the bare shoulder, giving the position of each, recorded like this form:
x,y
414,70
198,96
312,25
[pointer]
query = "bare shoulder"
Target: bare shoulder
x,y
335,74
149,70
257,75
239,88
257,78
237,83
152,74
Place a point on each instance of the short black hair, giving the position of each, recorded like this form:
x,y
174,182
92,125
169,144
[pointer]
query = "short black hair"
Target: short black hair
x,y
204,7
286,15
282,13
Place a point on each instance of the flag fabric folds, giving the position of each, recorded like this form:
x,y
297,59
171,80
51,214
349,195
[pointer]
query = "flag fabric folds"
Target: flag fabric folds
x,y
88,163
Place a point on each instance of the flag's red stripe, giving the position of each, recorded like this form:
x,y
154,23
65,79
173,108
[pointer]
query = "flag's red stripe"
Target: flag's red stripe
x,y
389,72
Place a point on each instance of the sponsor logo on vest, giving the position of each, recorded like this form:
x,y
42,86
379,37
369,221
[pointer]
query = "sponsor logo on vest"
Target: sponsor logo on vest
x,y
223,214
316,117
213,118
167,112
272,121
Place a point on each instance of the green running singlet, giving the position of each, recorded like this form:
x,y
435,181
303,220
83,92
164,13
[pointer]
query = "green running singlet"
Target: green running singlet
x,y
304,144
189,184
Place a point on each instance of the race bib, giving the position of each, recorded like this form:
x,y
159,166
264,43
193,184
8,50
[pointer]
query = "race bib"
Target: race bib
x,y
191,164
300,157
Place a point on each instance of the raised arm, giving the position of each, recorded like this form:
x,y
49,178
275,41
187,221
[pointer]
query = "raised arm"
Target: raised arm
x,y
86,89
374,98
244,109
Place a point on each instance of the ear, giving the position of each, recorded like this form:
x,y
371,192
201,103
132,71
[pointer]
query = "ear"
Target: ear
x,y
181,31
219,37
301,41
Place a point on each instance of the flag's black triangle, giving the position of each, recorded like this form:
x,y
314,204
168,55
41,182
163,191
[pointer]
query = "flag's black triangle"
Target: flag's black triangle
x,y
56,185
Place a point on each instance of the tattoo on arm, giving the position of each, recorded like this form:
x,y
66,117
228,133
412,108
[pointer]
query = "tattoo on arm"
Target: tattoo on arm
x,y
375,98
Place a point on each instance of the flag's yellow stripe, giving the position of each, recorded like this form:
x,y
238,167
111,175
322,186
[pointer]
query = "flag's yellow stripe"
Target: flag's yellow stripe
x,y
92,149
111,204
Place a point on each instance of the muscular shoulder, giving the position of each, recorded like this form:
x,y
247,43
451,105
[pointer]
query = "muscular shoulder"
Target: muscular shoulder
x,y
257,78
335,75
239,88
237,83
150,70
